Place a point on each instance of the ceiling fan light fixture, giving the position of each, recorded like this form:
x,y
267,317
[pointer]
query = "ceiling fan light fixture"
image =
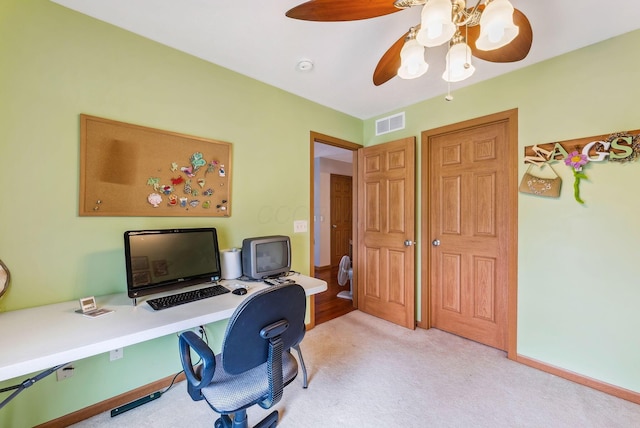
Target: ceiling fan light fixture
x,y
436,26
459,65
412,62
496,26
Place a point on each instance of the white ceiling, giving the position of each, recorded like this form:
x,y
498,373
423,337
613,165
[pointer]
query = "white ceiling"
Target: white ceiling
x,y
255,38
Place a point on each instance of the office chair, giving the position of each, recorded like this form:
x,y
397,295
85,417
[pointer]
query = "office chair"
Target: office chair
x,y
255,362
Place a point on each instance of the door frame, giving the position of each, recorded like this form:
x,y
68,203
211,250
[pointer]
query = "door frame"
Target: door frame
x,y
511,117
316,137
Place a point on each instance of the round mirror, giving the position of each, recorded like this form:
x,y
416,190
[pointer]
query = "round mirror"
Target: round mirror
x,y
4,278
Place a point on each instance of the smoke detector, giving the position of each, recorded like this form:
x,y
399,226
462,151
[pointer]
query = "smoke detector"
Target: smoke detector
x,y
304,65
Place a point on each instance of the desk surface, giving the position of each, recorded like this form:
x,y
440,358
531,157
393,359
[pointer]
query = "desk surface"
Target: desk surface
x,y
39,338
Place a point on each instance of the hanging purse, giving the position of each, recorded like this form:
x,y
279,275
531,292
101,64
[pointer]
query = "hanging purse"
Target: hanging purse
x,y
541,186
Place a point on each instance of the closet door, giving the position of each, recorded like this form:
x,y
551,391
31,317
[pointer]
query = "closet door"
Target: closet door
x,y
472,230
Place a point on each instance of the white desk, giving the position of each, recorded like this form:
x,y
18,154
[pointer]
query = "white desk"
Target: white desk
x,y
43,337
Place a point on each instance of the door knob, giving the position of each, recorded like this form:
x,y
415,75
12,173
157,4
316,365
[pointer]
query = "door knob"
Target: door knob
x,y
335,226
409,243
435,243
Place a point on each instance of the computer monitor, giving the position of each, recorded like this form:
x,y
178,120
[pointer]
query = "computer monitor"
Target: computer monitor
x,y
266,256
167,259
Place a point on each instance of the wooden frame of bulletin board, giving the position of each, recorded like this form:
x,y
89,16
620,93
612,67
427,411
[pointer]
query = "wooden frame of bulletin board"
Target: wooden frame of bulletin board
x,y
131,170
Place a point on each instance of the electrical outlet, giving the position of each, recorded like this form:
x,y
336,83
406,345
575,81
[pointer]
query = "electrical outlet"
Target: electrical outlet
x,y
116,354
299,226
65,372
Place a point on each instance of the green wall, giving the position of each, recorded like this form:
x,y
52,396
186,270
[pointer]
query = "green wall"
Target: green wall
x,y
57,64
578,287
577,283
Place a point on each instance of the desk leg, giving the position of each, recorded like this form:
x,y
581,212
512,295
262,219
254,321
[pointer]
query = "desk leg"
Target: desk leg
x,y
304,368
28,382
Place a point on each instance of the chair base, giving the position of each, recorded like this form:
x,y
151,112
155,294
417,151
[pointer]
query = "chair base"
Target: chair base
x,y
240,420
270,421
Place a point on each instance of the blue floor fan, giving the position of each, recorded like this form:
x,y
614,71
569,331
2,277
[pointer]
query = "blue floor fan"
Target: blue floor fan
x,y
345,273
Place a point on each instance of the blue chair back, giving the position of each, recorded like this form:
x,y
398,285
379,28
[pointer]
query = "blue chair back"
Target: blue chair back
x,y
244,347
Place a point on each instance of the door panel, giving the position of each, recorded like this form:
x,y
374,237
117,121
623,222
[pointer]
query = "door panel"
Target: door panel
x,y
372,213
386,205
451,284
396,198
372,281
397,261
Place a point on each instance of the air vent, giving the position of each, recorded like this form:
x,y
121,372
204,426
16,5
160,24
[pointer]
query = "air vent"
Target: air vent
x,y
390,124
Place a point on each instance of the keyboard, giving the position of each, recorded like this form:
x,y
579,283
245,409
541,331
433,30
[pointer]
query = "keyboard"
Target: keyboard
x,y
186,297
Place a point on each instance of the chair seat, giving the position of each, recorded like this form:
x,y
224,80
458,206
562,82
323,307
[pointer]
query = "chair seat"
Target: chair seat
x,y
228,394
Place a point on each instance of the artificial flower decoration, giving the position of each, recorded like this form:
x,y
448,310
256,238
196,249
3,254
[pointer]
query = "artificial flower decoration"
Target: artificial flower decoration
x,y
576,161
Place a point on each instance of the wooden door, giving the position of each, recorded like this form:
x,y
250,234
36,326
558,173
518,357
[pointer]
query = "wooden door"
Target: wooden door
x,y
386,231
471,230
341,197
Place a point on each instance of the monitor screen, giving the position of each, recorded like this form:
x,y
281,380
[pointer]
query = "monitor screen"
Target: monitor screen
x,y
272,256
165,259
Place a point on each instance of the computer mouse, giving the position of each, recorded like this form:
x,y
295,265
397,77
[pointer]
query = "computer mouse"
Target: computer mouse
x,y
240,291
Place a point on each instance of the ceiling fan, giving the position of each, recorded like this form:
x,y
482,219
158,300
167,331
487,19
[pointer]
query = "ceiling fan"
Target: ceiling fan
x,y
491,30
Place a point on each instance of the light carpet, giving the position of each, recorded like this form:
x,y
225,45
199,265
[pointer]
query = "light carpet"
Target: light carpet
x,y
366,372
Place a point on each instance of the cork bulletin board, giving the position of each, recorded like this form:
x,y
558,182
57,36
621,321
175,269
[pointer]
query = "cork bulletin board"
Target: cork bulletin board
x,y
131,170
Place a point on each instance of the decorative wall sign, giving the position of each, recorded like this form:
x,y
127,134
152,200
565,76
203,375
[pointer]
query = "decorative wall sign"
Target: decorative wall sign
x,y
619,147
131,170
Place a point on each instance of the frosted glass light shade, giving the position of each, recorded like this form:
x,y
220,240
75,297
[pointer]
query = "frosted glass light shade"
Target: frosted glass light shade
x,y
412,62
436,25
459,65
496,26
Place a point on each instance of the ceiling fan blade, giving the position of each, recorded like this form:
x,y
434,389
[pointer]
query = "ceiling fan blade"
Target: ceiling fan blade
x,y
341,10
515,51
388,65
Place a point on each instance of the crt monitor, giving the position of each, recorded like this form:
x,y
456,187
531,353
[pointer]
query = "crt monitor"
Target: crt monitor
x,y
166,259
266,256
